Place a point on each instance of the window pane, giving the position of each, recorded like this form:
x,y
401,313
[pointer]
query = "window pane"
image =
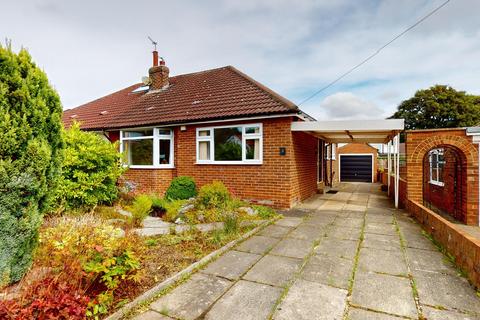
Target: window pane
x,y
164,132
253,149
139,152
204,150
228,144
204,133
440,171
138,133
250,130
164,151
434,176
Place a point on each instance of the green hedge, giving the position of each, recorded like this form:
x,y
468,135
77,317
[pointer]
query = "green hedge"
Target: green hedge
x,y
31,147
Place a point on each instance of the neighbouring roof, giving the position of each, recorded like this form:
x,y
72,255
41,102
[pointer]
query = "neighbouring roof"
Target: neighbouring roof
x,y
221,93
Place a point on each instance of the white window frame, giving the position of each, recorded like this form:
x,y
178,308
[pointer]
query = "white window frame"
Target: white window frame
x,y
245,137
437,152
156,147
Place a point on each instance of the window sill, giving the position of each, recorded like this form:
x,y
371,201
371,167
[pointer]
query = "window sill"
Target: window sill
x,y
229,163
437,183
149,167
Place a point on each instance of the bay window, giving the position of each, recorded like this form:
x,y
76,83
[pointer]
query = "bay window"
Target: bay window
x,y
436,162
147,148
236,144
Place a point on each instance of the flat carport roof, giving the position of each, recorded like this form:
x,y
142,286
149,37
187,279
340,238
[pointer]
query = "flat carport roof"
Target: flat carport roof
x,y
362,131
348,131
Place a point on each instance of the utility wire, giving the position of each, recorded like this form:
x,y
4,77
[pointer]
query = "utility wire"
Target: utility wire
x,y
431,13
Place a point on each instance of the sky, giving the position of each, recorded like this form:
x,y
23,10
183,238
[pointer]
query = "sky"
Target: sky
x,y
92,48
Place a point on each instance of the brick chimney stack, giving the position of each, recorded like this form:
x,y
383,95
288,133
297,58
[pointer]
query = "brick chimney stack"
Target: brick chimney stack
x,y
158,73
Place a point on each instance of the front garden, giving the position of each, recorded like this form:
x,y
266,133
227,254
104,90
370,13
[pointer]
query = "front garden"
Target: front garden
x,y
91,257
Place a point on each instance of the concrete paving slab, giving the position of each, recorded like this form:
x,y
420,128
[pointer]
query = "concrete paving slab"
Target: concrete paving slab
x,y
319,221
381,241
382,261
294,248
380,228
151,315
247,301
437,314
371,218
344,233
452,292
258,244
274,270
308,300
307,232
337,248
192,298
360,314
330,205
275,231
291,222
418,242
355,207
232,264
349,222
384,293
332,271
431,261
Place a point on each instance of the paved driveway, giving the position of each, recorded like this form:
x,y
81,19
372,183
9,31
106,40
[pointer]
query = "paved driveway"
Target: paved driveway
x,y
348,255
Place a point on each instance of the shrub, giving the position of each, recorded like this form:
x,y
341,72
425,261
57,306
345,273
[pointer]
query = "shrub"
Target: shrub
x,y
91,254
214,195
47,298
264,212
181,188
140,209
31,147
172,208
90,170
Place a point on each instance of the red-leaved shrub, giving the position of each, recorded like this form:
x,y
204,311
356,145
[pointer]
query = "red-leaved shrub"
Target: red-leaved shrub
x,y
46,299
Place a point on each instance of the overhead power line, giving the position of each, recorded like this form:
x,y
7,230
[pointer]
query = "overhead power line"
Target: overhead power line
x,y
431,13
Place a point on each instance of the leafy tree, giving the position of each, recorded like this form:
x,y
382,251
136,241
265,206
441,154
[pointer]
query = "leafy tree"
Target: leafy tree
x,y
31,147
90,170
439,107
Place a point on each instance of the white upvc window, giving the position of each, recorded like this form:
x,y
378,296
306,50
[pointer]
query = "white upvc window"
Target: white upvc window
x,y
436,164
233,144
147,147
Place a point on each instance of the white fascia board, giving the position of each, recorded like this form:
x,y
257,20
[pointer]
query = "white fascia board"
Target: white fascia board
x,y
350,125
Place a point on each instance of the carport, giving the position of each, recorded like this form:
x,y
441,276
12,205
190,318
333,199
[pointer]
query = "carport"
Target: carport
x,y
330,133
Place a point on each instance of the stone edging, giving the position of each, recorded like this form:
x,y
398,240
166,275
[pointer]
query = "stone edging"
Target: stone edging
x,y
151,293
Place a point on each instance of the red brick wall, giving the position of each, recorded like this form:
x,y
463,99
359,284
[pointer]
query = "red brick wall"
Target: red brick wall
x,y
304,166
150,180
465,248
280,181
418,144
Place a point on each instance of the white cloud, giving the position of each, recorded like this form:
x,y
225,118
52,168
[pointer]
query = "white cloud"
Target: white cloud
x,y
90,48
346,105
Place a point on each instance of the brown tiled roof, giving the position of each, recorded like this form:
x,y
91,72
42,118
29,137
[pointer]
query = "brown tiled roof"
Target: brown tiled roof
x,y
221,93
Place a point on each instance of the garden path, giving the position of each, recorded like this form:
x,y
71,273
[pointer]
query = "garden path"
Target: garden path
x,y
348,255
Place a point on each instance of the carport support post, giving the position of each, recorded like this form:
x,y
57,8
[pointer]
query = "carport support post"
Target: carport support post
x,y
397,168
388,167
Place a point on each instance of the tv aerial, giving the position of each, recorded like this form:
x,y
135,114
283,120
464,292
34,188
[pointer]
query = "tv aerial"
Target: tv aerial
x,y
153,42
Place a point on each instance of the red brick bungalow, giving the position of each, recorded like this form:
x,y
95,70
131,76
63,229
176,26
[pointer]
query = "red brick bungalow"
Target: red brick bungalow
x,y
217,124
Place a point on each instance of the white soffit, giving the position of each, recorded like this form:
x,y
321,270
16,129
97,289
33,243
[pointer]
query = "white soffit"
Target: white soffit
x,y
373,131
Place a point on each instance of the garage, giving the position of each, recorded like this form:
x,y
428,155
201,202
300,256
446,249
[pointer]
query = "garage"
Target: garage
x,y
356,167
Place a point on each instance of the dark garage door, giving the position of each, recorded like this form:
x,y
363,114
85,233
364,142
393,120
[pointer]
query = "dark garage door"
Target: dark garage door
x,y
355,168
